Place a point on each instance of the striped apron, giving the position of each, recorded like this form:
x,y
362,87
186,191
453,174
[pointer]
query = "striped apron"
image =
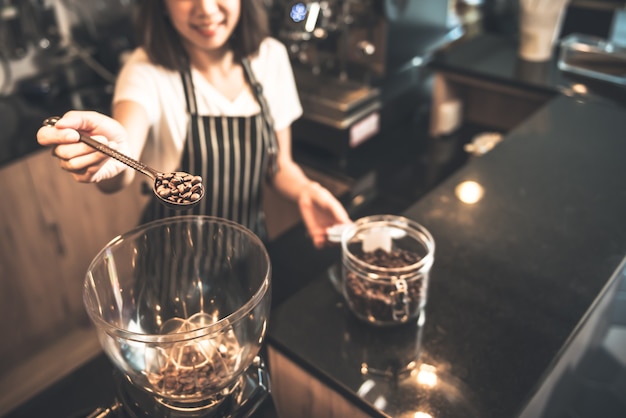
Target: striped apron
x,y
231,155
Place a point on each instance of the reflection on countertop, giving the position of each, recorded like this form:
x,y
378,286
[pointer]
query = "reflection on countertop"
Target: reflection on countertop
x,y
514,273
588,377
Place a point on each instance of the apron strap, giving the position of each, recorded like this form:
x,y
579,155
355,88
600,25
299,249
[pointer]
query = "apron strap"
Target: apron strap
x,y
190,96
267,117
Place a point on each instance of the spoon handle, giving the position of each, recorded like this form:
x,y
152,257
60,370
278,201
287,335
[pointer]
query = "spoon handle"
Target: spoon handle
x,y
148,171
119,156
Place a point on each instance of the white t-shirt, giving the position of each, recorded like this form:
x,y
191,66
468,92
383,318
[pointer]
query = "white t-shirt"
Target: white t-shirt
x,y
160,92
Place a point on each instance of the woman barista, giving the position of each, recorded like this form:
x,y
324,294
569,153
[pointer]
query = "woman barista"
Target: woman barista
x,y
210,93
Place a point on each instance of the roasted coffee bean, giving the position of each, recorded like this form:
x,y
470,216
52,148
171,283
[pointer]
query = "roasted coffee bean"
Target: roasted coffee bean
x,y
179,187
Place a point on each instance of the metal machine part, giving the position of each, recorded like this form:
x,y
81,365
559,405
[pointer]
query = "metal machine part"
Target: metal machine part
x,y
335,48
328,36
357,62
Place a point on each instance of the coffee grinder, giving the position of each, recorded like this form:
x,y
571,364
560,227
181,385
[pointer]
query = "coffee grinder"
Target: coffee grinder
x,y
180,307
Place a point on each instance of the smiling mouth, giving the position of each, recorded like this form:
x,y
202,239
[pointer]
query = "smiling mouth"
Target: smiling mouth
x,y
207,30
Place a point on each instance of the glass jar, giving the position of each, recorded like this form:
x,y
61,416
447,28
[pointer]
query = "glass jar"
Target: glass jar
x,y
180,306
386,262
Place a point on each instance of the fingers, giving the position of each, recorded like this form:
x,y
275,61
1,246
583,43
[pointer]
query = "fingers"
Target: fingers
x,y
72,150
328,202
333,211
320,210
319,242
50,135
318,220
63,132
79,159
318,236
88,122
315,231
339,212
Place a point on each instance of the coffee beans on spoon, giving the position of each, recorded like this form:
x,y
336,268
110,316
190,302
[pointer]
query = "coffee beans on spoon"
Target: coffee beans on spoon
x,y
179,187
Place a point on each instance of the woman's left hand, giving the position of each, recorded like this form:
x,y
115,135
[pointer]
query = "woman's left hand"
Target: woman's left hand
x,y
320,210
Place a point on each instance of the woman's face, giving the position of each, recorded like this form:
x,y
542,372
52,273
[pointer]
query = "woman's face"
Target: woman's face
x,y
204,25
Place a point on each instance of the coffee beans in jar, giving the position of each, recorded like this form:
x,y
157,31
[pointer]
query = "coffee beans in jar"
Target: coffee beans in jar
x,y
179,187
386,262
385,299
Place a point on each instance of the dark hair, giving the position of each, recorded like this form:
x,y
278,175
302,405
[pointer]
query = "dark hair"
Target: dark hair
x,y
157,35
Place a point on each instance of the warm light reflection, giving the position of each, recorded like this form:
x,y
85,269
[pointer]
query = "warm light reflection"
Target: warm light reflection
x,y
579,88
365,388
422,415
364,368
380,403
158,318
358,199
469,192
427,375
263,331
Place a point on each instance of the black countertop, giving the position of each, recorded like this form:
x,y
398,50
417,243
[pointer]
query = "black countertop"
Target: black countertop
x,y
513,274
494,58
587,377
487,56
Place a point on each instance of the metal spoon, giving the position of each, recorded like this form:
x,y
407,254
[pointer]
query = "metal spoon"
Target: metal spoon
x,y
177,190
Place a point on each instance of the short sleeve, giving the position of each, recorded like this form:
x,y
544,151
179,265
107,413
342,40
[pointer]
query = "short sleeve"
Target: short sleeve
x,y
137,82
159,91
279,86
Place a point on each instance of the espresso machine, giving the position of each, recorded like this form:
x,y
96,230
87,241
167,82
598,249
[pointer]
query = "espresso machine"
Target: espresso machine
x,y
357,62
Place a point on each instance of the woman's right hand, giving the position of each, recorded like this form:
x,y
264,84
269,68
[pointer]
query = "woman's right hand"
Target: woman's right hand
x,y
85,163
